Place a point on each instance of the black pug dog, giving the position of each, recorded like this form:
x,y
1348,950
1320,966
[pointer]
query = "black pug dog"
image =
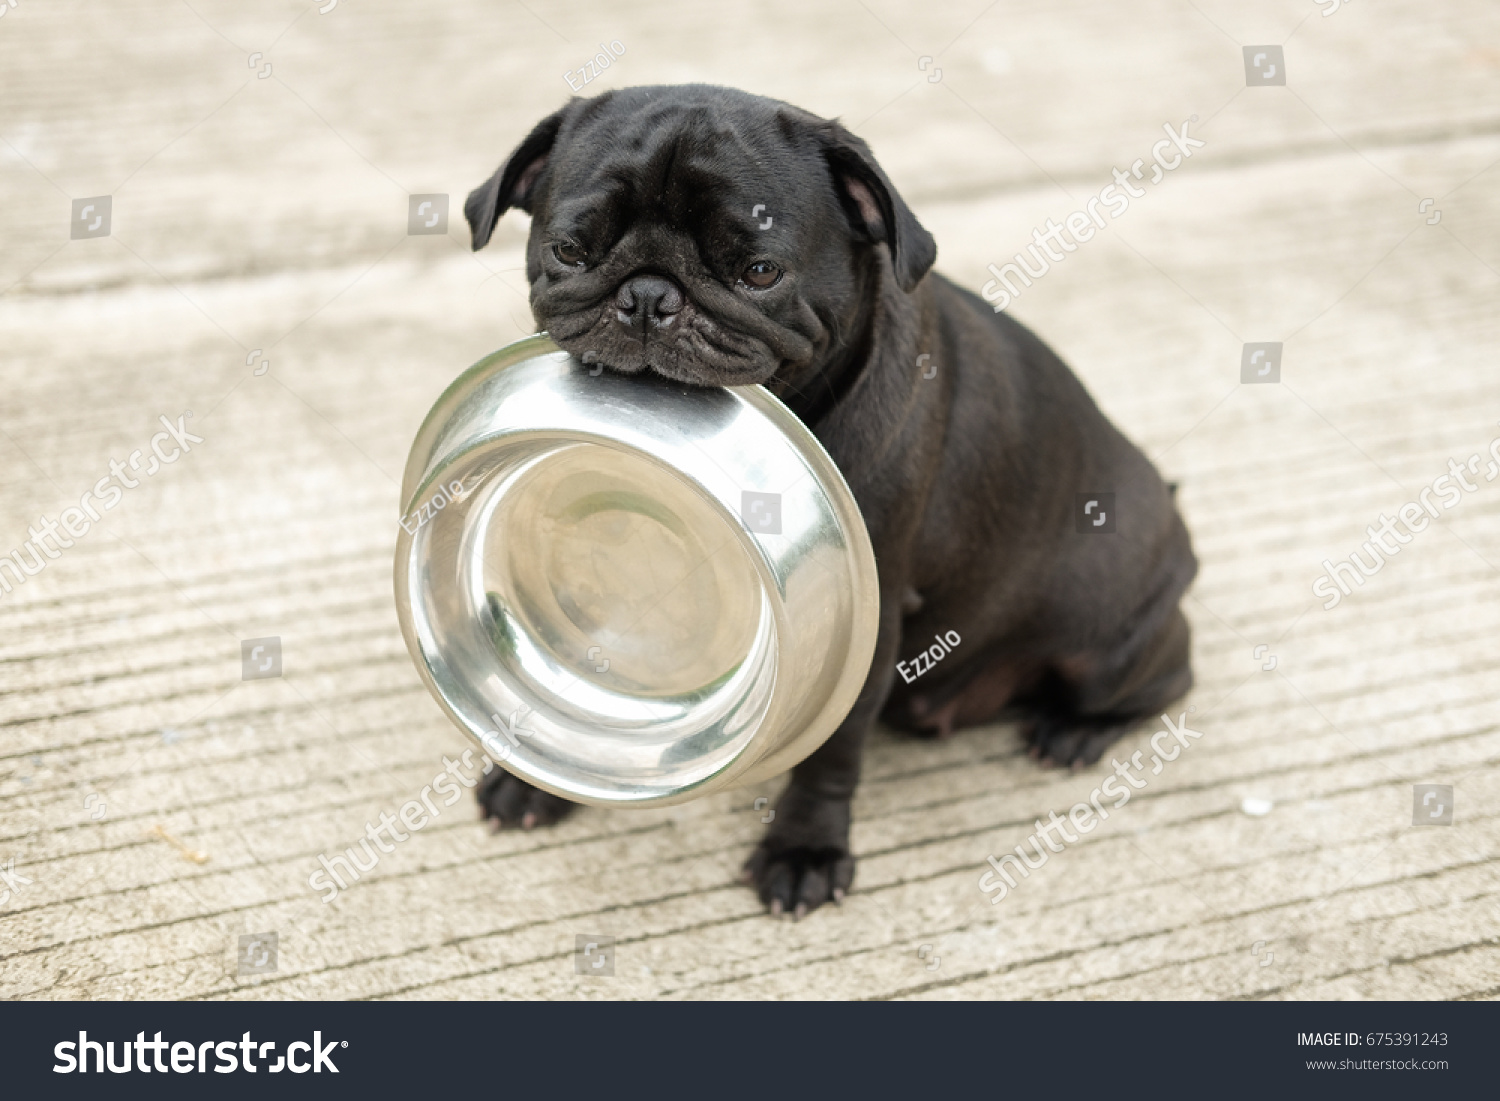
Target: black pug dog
x,y
719,239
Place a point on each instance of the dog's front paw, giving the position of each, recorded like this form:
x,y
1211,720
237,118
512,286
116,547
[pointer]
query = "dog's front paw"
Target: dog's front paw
x,y
511,801
804,859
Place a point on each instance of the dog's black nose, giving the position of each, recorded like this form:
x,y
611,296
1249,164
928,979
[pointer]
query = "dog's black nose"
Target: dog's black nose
x,y
645,302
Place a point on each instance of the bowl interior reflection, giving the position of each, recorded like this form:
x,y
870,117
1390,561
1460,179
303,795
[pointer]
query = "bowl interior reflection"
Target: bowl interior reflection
x,y
627,577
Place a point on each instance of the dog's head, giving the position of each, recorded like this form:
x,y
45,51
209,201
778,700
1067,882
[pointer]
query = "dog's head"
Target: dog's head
x,y
712,236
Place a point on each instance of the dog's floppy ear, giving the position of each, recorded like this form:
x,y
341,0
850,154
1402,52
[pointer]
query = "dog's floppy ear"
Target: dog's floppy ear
x,y
874,208
514,182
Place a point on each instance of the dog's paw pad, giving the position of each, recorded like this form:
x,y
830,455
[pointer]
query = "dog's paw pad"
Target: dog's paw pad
x,y
506,800
797,881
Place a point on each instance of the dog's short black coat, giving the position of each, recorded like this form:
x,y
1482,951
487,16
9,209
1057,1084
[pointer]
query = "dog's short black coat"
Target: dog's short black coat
x,y
721,238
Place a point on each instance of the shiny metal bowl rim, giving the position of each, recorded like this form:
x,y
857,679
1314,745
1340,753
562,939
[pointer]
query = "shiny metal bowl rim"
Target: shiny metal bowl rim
x,y
422,468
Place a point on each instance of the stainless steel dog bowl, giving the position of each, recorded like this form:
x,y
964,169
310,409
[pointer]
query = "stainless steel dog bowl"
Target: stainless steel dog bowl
x,y
628,590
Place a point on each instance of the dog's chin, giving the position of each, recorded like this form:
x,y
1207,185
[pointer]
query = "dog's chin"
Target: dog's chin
x,y
699,355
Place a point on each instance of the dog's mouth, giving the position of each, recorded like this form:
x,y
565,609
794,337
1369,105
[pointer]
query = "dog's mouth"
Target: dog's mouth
x,y
685,344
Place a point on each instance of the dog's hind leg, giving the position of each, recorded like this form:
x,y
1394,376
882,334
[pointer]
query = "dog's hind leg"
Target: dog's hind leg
x,y
1100,697
972,697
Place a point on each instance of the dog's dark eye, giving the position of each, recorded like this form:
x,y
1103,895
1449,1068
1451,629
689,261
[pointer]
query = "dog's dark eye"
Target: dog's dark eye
x,y
761,274
568,253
